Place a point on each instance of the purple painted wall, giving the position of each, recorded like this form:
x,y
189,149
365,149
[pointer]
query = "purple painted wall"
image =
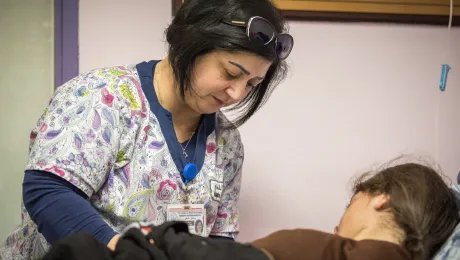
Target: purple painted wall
x,y
66,40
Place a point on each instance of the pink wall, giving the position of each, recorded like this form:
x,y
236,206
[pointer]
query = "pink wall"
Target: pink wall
x,y
357,95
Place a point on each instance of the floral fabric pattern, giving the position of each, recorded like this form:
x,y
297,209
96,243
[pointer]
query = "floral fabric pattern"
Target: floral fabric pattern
x,y
99,134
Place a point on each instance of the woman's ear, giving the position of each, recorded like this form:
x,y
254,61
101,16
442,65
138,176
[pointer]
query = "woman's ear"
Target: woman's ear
x,y
380,202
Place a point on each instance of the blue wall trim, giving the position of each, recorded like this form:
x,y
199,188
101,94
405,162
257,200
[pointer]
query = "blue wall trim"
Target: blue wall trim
x,y
66,40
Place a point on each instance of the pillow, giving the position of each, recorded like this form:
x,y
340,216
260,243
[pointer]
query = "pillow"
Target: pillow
x,y
451,248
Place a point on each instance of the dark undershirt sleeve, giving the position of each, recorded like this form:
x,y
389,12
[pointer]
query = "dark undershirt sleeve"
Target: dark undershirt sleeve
x,y
60,209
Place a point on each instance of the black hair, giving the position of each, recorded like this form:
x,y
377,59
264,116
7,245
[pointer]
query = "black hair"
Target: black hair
x,y
197,29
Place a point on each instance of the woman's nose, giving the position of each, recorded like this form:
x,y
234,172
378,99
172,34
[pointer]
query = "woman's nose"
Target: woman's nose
x,y
236,91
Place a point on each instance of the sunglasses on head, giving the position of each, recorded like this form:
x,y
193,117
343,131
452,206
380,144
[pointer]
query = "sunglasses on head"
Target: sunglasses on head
x,y
261,30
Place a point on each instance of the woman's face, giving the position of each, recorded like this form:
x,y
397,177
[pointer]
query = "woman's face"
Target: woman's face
x,y
222,79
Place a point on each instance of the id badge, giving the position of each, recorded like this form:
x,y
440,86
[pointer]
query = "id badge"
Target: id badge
x,y
194,215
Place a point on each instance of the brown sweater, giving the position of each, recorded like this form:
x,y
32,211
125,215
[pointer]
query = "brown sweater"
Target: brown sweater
x,y
303,244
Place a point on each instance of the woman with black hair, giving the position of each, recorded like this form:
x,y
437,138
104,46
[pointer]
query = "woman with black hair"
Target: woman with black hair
x,y
137,143
198,227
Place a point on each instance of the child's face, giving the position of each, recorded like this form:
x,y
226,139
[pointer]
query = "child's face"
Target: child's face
x,y
363,213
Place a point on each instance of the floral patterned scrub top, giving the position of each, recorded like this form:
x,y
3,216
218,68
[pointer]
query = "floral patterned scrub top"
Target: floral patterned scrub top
x,y
102,133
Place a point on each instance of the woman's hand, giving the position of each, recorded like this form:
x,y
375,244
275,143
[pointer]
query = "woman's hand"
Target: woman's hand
x,y
113,242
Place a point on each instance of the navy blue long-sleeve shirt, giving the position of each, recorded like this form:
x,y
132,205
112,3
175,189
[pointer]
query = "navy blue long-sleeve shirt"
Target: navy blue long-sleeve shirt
x,y
60,209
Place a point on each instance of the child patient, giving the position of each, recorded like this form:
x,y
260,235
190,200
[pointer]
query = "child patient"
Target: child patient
x,y
402,212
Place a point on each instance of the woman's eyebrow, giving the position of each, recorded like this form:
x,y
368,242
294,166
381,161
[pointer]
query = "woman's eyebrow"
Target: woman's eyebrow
x,y
240,67
243,69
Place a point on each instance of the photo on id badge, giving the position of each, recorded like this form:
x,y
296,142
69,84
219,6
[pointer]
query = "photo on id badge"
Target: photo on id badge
x,y
193,215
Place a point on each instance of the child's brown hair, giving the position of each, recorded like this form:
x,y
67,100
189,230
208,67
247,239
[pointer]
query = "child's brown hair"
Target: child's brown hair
x,y
421,202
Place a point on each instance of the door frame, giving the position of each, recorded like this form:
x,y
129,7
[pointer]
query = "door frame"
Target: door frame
x,y
65,41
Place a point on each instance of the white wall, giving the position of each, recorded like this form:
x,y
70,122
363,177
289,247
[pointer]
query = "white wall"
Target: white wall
x,y
26,83
358,94
119,32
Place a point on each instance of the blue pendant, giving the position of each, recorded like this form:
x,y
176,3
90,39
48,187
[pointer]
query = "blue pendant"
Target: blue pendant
x,y
190,172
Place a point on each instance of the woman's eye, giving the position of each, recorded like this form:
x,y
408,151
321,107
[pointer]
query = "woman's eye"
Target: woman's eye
x,y
251,85
347,206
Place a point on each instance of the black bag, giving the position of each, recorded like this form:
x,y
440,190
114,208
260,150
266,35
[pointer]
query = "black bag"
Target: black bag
x,y
170,241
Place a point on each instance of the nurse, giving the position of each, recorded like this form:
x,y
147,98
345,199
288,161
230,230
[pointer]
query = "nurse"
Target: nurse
x,y
148,142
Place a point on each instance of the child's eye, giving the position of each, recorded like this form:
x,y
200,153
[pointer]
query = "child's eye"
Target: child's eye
x,y
347,206
231,76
